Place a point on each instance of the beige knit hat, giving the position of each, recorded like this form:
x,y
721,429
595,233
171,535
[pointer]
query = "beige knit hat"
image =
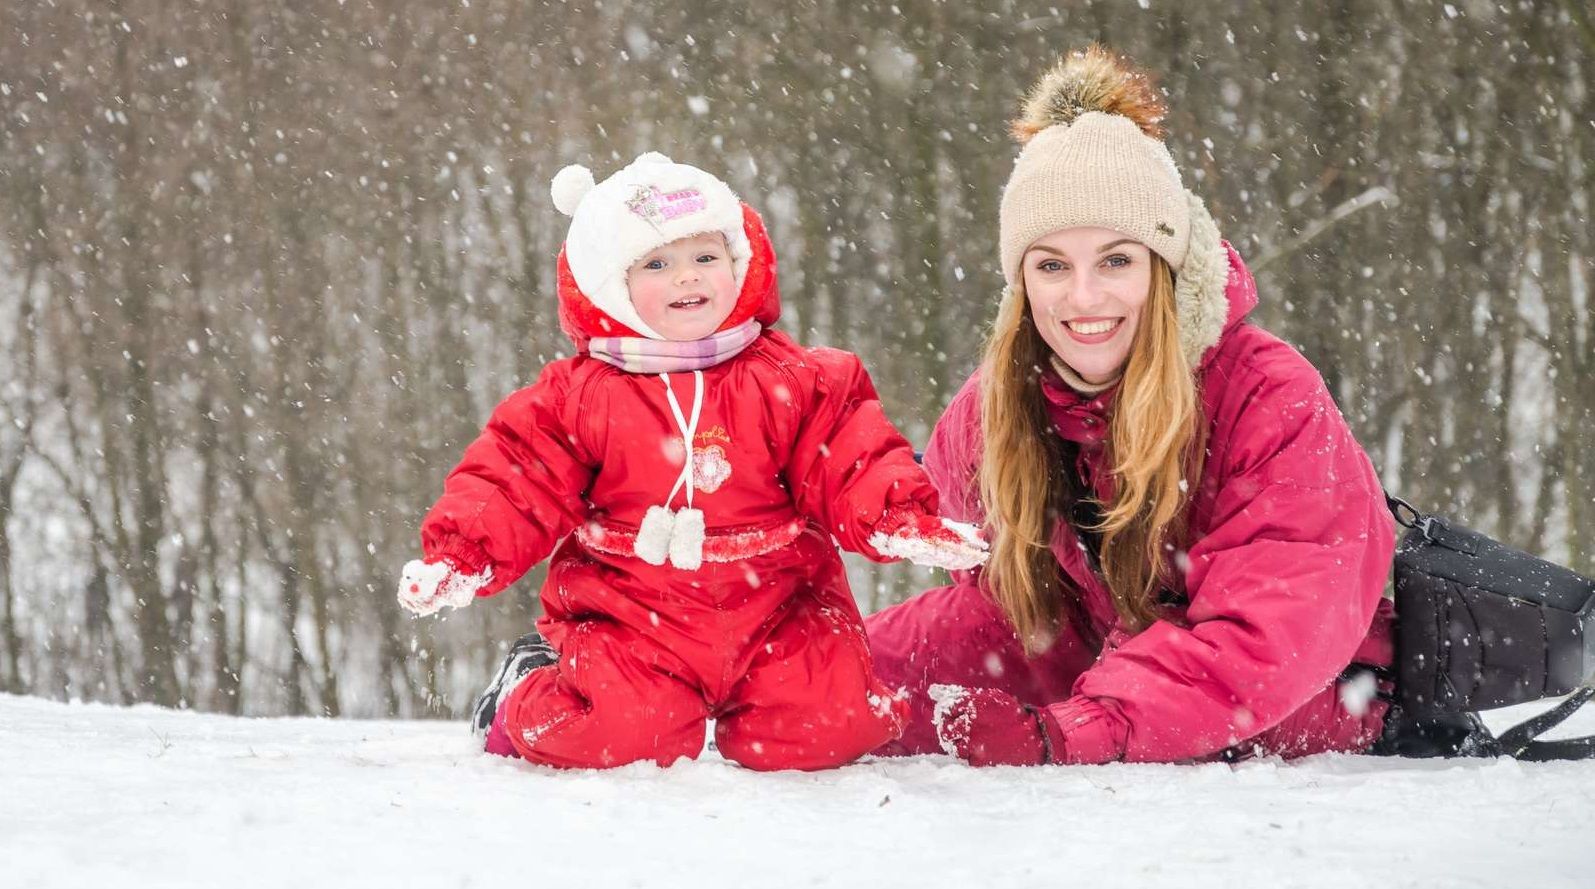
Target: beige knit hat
x,y
1093,155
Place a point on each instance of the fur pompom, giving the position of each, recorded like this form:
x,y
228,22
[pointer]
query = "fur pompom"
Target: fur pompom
x,y
570,185
652,157
686,539
653,538
1093,79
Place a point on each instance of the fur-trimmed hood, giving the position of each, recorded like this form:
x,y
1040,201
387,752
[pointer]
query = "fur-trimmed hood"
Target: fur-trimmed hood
x,y
1239,292
1208,288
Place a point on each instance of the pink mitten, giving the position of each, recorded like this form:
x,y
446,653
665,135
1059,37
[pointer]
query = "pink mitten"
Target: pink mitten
x,y
426,586
929,540
988,727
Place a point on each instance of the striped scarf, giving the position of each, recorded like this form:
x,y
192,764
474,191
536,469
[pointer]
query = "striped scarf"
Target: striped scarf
x,y
635,354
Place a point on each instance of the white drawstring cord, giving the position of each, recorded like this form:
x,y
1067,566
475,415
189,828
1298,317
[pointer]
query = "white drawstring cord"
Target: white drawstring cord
x,y
665,533
689,431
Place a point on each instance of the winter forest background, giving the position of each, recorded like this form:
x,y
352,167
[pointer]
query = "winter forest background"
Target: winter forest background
x,y
266,265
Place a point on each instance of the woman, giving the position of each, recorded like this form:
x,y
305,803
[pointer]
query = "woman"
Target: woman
x,y
1188,547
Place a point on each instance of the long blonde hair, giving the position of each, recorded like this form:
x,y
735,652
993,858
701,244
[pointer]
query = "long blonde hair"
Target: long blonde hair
x,y
1154,448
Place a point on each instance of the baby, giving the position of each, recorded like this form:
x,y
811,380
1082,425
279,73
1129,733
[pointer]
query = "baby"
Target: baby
x,y
697,470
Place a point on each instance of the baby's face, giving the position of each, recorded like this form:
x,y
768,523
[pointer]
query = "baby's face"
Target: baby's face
x,y
685,289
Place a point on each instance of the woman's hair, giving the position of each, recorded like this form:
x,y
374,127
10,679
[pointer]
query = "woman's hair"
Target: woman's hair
x,y
1154,448
1023,485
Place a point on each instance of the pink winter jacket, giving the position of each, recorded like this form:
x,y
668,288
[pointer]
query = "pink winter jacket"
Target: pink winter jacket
x,y
1292,543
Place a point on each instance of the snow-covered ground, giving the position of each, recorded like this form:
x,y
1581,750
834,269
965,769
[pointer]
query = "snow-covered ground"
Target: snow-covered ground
x,y
101,796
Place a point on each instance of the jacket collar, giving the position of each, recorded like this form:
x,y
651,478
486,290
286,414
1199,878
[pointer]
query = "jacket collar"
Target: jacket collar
x,y
1076,417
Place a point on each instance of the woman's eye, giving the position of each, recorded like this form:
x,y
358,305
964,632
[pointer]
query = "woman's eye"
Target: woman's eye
x,y
1050,265
1117,261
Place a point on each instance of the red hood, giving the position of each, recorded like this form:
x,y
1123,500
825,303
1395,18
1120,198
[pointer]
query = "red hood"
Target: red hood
x,y
760,299
1240,290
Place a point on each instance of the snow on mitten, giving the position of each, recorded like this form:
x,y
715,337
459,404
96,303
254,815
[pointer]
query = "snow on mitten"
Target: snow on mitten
x,y
930,540
988,727
426,586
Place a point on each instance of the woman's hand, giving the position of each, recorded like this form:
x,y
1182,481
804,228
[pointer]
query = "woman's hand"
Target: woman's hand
x,y
930,540
426,586
988,727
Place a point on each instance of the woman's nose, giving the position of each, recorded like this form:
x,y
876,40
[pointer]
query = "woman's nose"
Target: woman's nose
x,y
1085,294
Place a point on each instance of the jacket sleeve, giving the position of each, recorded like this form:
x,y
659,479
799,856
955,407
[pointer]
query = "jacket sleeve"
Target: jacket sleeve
x,y
850,465
1282,586
519,488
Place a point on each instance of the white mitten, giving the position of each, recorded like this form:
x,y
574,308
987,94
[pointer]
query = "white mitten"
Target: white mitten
x,y
426,586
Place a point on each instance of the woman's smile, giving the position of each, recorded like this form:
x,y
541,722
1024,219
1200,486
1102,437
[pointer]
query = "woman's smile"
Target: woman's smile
x,y
1090,331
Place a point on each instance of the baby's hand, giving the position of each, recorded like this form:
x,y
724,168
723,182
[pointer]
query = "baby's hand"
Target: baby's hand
x,y
930,540
426,586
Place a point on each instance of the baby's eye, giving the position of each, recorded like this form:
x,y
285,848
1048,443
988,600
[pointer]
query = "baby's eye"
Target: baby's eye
x,y
654,265
708,257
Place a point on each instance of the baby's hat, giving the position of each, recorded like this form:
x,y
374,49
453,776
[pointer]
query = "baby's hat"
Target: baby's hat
x,y
648,204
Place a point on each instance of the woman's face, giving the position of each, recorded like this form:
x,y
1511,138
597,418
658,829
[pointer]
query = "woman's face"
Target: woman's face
x,y
1087,287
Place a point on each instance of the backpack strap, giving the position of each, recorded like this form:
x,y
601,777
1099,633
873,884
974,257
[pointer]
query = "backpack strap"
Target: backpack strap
x,y
1520,742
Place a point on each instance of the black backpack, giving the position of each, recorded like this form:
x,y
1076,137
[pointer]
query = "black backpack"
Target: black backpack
x,y
1480,625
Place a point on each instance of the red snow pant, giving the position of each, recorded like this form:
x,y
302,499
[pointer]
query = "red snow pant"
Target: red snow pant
x,y
958,636
772,648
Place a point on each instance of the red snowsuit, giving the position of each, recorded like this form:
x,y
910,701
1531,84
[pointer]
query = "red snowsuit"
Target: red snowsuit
x,y
792,450
1291,546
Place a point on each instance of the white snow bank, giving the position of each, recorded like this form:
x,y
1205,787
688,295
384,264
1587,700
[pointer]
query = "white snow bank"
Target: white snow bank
x,y
96,795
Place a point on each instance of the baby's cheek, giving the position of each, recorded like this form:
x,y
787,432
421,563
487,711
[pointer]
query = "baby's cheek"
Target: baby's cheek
x,y
645,300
